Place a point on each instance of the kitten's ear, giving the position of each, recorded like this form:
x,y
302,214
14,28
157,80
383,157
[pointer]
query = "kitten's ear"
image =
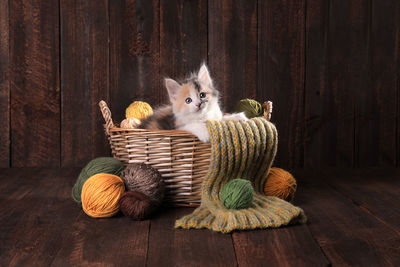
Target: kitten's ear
x,y
172,87
204,75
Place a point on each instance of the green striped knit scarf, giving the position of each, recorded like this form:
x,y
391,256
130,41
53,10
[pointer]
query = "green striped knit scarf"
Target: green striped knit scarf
x,y
244,150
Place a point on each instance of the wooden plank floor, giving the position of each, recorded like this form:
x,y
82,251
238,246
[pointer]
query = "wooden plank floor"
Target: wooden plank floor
x,y
354,219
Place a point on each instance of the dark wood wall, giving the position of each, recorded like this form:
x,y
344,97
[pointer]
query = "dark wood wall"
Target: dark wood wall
x,y
331,67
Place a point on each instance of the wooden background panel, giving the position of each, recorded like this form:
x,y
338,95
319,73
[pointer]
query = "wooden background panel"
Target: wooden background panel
x,y
134,54
84,79
341,68
35,88
4,86
281,73
317,24
330,67
376,106
337,135
366,134
232,49
183,39
397,53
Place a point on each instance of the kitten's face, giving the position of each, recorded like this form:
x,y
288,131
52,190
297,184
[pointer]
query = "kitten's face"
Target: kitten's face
x,y
195,96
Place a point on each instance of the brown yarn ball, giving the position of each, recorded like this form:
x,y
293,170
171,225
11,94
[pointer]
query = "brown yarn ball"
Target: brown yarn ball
x,y
145,179
136,205
280,183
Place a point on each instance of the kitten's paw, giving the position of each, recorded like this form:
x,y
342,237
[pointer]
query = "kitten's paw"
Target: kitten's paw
x,y
203,137
236,117
199,130
241,117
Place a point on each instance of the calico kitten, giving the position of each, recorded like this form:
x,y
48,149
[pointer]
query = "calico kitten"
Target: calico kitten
x,y
193,102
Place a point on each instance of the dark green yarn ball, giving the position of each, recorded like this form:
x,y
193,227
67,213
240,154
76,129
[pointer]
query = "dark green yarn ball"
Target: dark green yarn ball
x,y
237,194
250,107
95,166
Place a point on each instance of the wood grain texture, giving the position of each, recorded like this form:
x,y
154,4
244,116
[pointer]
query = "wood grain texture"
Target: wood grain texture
x,y
33,218
84,80
40,225
6,183
116,241
372,191
316,89
183,39
332,69
347,235
135,54
35,88
288,246
232,49
375,126
281,69
178,247
397,64
4,86
337,70
352,221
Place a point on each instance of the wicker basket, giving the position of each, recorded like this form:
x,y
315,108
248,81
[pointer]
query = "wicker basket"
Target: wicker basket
x,y
180,157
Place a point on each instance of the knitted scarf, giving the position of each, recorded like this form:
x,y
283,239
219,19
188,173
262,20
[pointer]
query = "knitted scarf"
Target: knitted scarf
x,y
246,150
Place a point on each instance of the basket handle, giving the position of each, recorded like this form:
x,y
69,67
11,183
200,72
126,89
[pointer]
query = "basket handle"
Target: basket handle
x,y
267,105
106,115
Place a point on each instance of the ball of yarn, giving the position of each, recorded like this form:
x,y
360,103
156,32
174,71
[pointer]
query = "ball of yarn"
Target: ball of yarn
x,y
130,123
280,183
250,107
139,110
237,194
100,195
97,165
136,205
145,179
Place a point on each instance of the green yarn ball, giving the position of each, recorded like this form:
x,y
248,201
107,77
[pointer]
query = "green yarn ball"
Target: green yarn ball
x,y
95,166
237,194
250,107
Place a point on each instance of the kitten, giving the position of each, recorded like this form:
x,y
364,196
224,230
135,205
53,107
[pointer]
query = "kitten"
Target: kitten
x,y
192,103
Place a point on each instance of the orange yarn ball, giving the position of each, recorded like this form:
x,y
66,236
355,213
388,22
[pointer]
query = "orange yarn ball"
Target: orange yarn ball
x,y
280,183
100,195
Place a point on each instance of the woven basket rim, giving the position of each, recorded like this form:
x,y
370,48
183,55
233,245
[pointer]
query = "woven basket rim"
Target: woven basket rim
x,y
144,131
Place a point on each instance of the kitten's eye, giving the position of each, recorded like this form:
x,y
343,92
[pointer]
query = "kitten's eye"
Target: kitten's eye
x,y
188,100
202,95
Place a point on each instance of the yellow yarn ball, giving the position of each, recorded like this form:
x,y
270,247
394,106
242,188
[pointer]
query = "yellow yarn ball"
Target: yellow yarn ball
x,y
281,184
139,110
100,195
